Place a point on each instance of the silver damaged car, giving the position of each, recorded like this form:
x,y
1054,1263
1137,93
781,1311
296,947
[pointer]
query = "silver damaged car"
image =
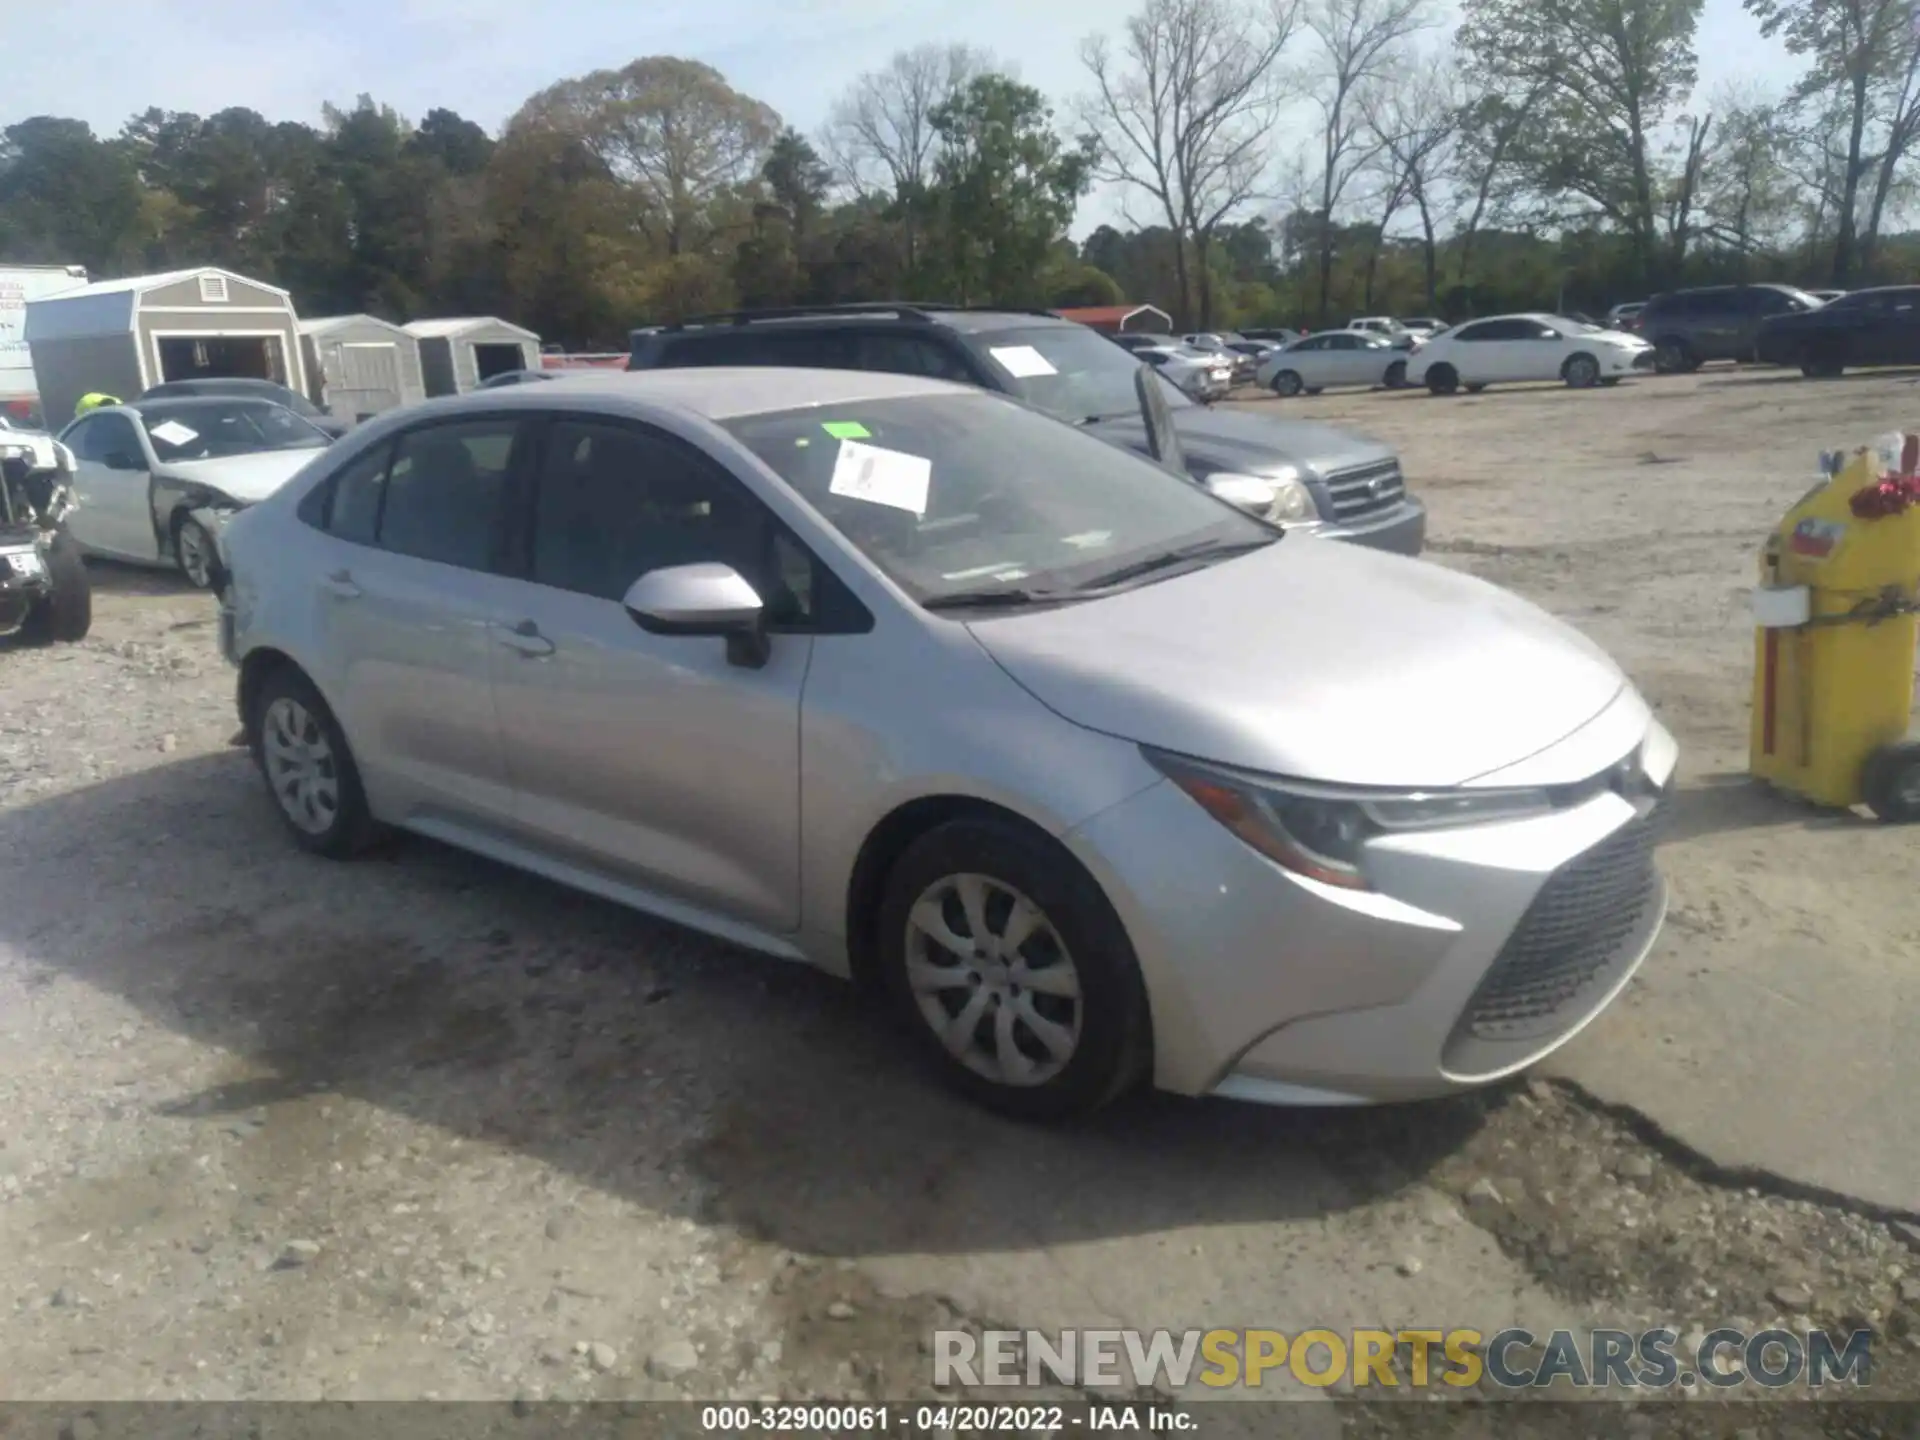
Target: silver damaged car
x,y
1100,779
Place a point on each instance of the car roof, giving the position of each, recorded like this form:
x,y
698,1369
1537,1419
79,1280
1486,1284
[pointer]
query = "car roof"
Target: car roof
x,y
905,312
721,392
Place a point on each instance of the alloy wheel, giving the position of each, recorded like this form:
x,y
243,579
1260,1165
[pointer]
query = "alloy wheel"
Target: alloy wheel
x,y
1582,372
992,979
300,765
195,549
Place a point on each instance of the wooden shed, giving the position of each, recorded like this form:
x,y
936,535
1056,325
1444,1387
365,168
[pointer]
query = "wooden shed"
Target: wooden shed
x,y
1118,319
457,354
359,366
121,336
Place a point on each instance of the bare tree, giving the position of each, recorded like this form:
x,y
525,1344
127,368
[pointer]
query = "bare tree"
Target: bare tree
x,y
1414,126
880,134
1683,192
1750,194
1359,40
1186,113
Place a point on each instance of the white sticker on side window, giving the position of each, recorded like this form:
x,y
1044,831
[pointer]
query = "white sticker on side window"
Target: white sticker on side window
x,y
173,432
881,476
1022,361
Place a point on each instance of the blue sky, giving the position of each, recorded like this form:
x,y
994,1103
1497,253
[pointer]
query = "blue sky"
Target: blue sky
x,y
483,57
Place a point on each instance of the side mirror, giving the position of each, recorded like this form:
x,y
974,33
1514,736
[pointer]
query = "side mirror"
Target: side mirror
x,y
703,599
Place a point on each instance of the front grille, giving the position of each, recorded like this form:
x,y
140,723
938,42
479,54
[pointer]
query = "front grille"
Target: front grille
x,y
1363,489
1590,918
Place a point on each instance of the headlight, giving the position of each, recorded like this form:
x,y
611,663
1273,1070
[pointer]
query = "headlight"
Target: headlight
x,y
1321,831
1291,501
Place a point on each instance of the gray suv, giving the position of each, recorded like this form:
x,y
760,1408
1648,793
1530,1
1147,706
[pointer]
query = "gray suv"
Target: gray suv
x,y
1687,328
1326,481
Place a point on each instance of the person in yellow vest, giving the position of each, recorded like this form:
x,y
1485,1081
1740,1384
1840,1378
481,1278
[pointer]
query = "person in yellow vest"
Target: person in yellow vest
x,y
93,400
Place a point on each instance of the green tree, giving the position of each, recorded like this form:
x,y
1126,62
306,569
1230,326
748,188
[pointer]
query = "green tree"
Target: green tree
x,y
66,197
1004,188
1608,75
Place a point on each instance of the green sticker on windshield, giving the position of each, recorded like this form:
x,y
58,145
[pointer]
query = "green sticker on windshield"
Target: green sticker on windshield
x,y
847,430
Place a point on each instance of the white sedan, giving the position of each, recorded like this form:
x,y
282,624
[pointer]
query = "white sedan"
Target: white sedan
x,y
1535,346
1333,357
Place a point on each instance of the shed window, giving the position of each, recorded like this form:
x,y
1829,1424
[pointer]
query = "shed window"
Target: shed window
x,y
213,289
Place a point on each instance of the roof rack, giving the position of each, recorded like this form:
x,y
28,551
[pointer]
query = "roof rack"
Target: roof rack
x,y
905,310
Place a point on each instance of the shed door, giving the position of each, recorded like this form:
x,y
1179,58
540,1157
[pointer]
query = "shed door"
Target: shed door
x,y
363,378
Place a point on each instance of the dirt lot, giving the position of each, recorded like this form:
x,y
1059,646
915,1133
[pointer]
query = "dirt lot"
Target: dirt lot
x,y
422,1127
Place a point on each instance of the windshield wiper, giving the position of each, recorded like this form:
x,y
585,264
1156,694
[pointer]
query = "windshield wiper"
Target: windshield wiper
x,y
993,598
1179,555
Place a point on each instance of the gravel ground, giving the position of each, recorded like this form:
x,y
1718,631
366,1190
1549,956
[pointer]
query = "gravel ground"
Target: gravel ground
x,y
421,1127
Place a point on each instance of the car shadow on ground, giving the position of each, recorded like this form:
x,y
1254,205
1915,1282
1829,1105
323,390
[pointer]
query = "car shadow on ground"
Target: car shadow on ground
x,y
1783,375
505,1009
111,577
1734,801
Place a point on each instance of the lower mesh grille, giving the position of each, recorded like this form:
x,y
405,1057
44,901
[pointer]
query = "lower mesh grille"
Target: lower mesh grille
x,y
1590,918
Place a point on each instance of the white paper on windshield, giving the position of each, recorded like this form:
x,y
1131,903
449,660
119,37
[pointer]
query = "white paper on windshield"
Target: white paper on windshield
x,y
173,432
1022,361
882,477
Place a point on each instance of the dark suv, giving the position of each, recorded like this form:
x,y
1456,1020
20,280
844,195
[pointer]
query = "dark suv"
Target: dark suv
x,y
1327,481
1687,328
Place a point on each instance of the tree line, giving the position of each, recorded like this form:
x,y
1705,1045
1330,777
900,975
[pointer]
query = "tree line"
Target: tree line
x,y
1278,161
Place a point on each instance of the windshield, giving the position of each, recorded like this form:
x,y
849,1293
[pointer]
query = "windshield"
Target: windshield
x,y
1070,371
215,429
952,494
241,390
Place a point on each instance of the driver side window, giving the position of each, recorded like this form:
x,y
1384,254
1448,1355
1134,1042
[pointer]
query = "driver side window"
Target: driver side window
x,y
111,435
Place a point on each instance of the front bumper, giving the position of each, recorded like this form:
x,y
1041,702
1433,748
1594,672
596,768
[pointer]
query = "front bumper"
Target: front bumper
x,y
1401,529
1481,950
1626,362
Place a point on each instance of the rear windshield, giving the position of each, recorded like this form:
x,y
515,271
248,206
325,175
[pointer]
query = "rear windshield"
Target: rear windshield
x,y
950,493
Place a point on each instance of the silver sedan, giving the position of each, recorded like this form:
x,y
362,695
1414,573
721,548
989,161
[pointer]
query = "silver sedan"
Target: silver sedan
x,y
1098,779
1333,357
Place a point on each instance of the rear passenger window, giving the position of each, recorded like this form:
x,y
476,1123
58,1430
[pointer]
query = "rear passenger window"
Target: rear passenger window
x,y
446,493
353,513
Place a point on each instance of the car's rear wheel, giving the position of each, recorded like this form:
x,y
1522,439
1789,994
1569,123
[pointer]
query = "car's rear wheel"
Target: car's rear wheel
x,y
1013,971
1442,379
1288,382
194,552
308,768
1673,356
1581,372
1890,783
1822,362
1396,376
66,614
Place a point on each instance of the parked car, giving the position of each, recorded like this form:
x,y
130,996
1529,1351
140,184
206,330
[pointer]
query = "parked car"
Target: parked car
x,y
243,388
1386,327
692,641
1137,340
1341,485
45,594
1687,328
156,481
1865,327
523,377
1620,316
1533,346
1278,335
1421,326
1826,297
1226,345
1202,375
1333,357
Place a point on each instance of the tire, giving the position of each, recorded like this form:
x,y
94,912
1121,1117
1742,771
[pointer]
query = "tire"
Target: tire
x,y
1890,783
1078,1043
1673,356
66,615
1396,376
1442,379
1821,363
1476,389
194,552
1610,379
309,771
1581,372
1288,382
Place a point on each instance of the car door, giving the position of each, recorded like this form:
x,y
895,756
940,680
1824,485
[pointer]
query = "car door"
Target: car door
x,y
113,489
654,758
1474,353
1537,350
1899,327
1310,359
407,596
1341,363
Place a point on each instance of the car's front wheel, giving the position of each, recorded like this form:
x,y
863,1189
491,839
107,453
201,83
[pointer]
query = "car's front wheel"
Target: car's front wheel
x,y
1288,382
1396,375
194,552
1581,372
65,615
308,768
1013,971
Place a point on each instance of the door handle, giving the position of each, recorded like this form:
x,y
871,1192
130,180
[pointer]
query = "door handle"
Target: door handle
x,y
340,585
527,639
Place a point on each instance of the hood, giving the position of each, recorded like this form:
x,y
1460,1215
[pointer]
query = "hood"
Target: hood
x,y
1232,440
1318,661
246,478
1620,337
